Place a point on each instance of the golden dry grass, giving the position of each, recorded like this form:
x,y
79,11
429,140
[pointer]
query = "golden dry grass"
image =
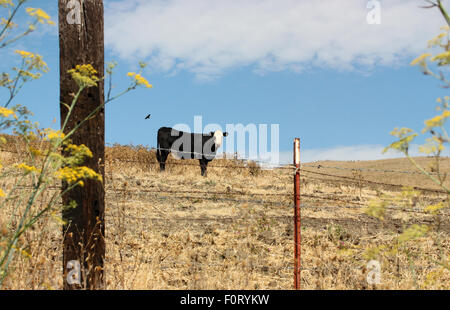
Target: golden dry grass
x,y
234,229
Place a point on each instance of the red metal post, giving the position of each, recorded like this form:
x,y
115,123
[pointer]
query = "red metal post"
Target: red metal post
x,y
297,216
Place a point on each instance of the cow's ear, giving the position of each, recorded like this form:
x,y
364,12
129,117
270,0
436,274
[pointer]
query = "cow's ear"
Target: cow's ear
x,y
211,133
225,134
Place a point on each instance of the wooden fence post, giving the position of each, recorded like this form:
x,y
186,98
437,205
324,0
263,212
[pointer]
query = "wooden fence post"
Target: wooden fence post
x,y
81,40
297,216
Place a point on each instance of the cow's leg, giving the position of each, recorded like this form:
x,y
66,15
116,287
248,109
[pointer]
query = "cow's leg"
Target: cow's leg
x,y
204,166
162,160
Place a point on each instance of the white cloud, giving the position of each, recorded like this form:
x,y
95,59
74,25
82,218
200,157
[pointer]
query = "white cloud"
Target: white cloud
x,y
209,37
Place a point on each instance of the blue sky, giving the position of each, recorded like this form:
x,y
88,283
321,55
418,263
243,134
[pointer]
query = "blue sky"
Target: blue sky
x,y
316,69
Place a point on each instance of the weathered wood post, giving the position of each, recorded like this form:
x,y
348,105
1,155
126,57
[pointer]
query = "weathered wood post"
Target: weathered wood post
x,y
81,40
297,216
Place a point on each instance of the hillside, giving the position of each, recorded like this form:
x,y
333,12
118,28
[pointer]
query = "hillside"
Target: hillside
x,y
394,171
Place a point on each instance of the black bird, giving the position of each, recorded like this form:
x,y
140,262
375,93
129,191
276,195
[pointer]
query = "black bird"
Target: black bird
x,y
148,116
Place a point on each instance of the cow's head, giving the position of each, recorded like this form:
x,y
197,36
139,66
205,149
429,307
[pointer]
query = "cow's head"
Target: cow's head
x,y
218,136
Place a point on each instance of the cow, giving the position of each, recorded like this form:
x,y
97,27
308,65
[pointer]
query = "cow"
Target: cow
x,y
184,145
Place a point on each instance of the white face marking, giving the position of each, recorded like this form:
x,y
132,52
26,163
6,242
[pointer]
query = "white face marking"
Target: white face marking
x,y
218,135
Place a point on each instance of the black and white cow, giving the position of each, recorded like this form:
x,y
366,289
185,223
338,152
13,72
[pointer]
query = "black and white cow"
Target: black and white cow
x,y
184,145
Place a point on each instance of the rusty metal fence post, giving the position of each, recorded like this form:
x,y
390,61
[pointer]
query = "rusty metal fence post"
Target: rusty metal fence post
x,y
297,216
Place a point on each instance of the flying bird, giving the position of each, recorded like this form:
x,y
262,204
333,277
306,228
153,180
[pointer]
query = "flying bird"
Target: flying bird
x,y
148,116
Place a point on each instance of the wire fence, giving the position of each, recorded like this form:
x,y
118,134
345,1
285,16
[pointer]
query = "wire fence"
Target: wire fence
x,y
218,196
292,168
263,164
273,201
367,169
230,196
361,180
244,164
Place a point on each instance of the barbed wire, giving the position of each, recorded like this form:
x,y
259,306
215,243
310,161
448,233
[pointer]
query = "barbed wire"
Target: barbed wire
x,y
214,193
366,169
232,193
250,266
262,163
205,195
303,176
281,218
280,167
293,168
375,182
174,194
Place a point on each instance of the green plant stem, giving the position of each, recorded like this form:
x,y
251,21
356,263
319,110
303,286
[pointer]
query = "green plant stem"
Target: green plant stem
x,y
427,174
24,226
444,12
15,238
37,190
95,111
11,17
69,113
11,192
27,32
14,91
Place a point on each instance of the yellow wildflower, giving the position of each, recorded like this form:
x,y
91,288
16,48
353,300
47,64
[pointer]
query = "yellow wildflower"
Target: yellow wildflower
x,y
437,40
27,169
442,59
79,150
436,121
6,3
51,135
40,15
405,136
434,209
33,62
25,54
74,175
139,79
420,59
35,152
6,112
85,75
433,146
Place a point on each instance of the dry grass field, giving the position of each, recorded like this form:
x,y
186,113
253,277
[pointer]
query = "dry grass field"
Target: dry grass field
x,y
234,229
